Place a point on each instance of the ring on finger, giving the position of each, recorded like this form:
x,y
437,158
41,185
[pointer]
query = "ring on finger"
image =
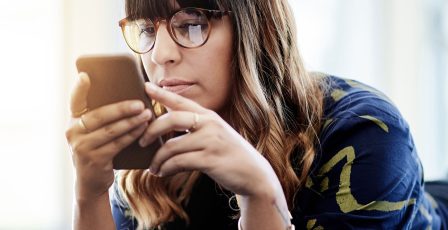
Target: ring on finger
x,y
82,123
195,123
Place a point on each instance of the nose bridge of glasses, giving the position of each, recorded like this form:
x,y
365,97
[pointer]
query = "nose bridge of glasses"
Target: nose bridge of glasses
x,y
166,22
165,35
158,23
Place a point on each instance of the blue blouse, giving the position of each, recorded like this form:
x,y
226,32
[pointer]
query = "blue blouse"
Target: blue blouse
x,y
366,174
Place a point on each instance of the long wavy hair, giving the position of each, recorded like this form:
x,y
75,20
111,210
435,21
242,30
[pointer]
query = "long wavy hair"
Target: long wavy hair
x,y
272,87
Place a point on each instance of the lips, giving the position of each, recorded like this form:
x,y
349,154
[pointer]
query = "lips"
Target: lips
x,y
176,85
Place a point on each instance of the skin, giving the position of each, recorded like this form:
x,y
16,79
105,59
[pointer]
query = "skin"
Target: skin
x,y
212,147
210,72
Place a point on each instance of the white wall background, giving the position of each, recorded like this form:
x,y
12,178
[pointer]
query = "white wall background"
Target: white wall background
x,y
398,46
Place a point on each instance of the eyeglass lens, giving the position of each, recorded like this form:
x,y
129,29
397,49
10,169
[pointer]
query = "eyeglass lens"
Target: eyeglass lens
x,y
189,28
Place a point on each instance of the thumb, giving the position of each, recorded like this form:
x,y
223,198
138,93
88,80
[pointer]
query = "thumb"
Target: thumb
x,y
78,99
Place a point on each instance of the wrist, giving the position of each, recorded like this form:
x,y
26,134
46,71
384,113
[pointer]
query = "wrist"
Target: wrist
x,y
267,197
266,192
84,194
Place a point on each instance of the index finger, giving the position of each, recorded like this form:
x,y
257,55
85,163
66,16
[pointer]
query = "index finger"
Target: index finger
x,y
172,100
78,99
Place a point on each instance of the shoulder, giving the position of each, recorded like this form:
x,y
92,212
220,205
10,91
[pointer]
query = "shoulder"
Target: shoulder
x,y
351,107
345,98
361,118
366,166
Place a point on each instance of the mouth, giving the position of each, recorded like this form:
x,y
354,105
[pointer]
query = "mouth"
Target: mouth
x,y
175,85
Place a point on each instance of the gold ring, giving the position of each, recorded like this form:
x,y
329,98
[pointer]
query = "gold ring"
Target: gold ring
x,y
196,121
80,113
83,124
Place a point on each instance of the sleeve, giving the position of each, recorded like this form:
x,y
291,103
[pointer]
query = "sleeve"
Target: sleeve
x,y
368,175
120,212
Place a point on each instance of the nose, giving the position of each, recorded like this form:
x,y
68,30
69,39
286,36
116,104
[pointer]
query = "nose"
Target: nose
x,y
165,48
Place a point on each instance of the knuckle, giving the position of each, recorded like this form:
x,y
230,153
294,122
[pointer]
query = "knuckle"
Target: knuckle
x,y
147,134
169,145
109,131
123,108
95,118
136,133
211,113
213,124
172,116
208,118
177,163
157,93
132,121
136,120
177,101
77,147
117,145
69,134
177,118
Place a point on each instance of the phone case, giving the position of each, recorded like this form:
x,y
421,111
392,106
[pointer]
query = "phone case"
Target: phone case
x,y
116,78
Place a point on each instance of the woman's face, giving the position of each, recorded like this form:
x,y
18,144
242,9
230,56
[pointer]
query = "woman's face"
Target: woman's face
x,y
202,74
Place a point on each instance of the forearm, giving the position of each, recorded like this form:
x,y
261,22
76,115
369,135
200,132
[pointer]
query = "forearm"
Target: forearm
x,y
93,214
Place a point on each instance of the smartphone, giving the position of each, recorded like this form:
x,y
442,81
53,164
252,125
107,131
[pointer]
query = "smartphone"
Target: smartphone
x,y
116,78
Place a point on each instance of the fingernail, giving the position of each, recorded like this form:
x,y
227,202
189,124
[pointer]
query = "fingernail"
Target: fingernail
x,y
83,77
136,106
145,115
142,142
152,171
151,86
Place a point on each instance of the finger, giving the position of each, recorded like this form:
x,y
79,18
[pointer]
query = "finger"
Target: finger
x,y
174,146
172,100
114,130
109,113
168,122
114,147
183,162
78,99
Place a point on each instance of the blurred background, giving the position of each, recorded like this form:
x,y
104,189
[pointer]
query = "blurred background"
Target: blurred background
x,y
397,46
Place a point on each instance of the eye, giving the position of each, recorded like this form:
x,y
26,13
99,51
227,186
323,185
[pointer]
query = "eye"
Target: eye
x,y
149,30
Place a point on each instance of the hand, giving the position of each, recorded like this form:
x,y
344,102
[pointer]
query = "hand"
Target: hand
x,y
212,146
96,136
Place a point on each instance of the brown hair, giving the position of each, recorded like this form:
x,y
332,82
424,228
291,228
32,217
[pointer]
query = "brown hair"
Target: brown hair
x,y
272,86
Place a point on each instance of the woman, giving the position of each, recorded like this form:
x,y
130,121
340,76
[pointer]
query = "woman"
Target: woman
x,y
328,152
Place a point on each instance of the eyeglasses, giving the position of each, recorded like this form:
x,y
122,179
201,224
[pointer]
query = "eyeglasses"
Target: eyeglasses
x,y
188,27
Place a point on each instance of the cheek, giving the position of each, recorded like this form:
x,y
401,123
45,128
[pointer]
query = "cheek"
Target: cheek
x,y
217,77
148,66
218,90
